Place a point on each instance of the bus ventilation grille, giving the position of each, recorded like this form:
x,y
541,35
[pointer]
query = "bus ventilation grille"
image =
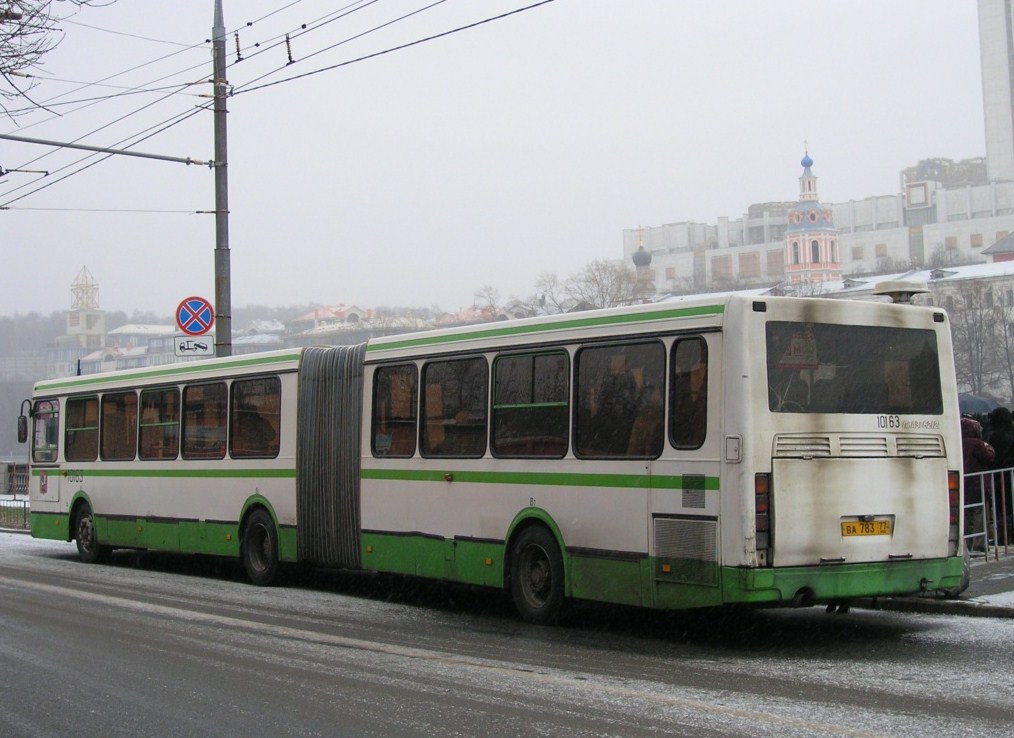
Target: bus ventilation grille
x,y
920,446
857,446
691,547
864,446
805,446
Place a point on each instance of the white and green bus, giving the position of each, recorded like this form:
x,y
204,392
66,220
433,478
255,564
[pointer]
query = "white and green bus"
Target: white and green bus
x,y
725,449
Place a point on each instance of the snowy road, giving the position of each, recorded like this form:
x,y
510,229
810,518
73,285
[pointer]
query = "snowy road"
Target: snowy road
x,y
161,645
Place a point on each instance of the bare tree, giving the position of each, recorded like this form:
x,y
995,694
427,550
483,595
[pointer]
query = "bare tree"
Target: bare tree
x,y
549,294
1002,317
975,338
603,283
29,29
488,298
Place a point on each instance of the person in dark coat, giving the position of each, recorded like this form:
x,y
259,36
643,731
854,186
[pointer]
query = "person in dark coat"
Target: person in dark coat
x,y
1001,438
977,456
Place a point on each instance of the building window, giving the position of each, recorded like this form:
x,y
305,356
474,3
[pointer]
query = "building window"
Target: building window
x,y
776,262
814,252
976,240
795,252
857,253
951,243
721,268
749,265
670,272
881,250
1001,235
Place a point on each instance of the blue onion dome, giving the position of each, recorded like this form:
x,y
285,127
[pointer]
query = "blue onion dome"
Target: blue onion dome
x,y
806,161
641,257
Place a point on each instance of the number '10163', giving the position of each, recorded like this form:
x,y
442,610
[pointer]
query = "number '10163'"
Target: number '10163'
x,y
888,421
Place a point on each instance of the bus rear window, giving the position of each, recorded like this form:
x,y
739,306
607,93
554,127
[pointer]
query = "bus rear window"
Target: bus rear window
x,y
833,368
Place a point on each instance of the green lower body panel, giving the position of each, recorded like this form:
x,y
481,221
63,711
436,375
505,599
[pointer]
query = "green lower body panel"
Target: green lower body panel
x,y
666,584
184,536
51,526
466,561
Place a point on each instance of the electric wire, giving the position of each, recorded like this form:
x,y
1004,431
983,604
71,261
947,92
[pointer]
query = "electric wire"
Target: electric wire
x,y
244,89
179,118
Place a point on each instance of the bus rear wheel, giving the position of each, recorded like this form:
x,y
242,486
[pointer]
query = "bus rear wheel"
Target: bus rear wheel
x,y
88,548
259,549
536,576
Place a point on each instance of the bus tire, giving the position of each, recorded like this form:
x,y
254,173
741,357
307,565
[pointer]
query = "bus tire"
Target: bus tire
x,y
259,548
536,576
88,548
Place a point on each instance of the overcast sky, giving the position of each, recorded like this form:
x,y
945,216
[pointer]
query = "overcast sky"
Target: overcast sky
x,y
487,157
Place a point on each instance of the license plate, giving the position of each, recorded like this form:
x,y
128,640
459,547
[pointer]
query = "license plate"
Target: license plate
x,y
879,527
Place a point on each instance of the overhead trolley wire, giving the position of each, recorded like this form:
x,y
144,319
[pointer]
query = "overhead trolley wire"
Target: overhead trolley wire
x,y
180,118
244,89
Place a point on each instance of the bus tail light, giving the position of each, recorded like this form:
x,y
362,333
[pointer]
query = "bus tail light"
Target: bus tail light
x,y
954,512
762,517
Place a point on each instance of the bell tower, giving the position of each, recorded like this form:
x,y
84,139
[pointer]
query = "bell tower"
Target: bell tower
x,y
811,239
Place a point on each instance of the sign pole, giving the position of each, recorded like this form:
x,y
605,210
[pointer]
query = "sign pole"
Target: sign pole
x,y
223,279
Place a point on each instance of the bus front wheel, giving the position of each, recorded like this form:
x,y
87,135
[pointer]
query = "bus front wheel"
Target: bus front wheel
x,y
536,576
259,549
88,548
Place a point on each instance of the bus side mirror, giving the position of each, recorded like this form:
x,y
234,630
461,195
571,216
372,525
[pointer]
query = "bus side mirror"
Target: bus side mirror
x,y
23,423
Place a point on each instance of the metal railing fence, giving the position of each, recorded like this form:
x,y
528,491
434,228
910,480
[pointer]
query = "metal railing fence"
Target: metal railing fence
x,y
988,524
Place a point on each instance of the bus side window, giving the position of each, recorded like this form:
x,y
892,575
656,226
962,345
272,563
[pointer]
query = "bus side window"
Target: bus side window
x,y
395,407
82,433
204,420
160,424
619,401
119,426
255,417
531,412
688,395
455,398
45,431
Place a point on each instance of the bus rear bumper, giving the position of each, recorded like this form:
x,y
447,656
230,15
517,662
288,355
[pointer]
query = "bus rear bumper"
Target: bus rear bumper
x,y
807,585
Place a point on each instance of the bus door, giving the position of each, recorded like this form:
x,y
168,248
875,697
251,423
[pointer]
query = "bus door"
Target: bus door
x,y
44,479
684,499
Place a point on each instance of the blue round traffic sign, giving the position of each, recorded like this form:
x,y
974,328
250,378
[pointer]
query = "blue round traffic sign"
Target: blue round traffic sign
x,y
195,316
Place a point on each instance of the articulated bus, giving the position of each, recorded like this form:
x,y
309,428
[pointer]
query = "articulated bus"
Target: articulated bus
x,y
722,449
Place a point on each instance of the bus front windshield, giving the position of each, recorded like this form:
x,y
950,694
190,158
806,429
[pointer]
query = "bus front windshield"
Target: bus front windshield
x,y
834,368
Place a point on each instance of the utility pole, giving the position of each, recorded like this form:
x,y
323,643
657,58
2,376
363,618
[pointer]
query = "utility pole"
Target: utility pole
x,y
223,279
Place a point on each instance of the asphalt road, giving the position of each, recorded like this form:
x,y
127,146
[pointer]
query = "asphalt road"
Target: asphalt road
x,y
156,645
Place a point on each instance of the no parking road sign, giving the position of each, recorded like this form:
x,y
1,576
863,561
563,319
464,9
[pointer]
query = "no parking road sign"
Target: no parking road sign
x,y
195,316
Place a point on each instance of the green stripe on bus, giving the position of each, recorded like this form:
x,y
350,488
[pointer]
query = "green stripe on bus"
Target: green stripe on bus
x,y
224,473
585,322
252,360
560,479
